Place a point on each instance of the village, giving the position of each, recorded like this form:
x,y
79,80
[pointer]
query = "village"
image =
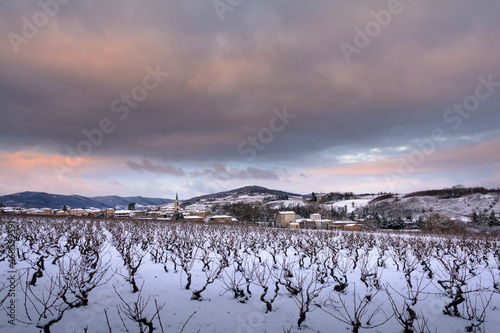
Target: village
x,y
174,211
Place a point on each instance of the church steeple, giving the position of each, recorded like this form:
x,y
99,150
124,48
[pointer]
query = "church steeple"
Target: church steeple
x,y
177,206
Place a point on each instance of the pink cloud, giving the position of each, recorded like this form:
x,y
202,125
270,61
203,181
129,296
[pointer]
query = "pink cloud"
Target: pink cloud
x,y
23,171
478,157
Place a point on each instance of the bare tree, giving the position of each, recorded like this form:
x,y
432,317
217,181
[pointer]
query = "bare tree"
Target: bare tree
x,y
475,308
46,308
68,288
264,279
248,273
359,316
454,279
369,274
233,281
185,256
406,314
131,249
309,287
77,278
340,274
136,311
212,272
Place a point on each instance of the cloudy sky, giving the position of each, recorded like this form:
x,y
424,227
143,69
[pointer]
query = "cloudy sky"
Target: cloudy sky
x,y
197,96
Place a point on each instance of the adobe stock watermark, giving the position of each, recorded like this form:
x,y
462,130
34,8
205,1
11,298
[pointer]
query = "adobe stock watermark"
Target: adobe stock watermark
x,y
372,29
10,306
223,6
121,107
454,118
31,27
254,144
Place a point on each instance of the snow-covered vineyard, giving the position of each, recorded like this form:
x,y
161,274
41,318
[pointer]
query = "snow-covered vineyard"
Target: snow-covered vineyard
x,y
98,275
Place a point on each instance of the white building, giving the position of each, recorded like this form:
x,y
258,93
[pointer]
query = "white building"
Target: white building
x,y
284,219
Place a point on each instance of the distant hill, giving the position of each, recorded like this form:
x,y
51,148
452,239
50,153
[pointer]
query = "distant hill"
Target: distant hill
x,y
456,203
453,192
246,190
42,199
115,200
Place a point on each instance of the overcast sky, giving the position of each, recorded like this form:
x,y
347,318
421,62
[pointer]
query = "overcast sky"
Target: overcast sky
x,y
198,96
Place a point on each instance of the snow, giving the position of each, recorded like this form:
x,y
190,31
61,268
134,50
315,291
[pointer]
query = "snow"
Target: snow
x,y
456,208
219,311
292,201
358,203
193,217
204,205
123,211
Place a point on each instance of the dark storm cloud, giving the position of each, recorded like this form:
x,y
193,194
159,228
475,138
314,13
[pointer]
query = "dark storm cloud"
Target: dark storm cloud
x,y
146,165
218,171
225,77
222,173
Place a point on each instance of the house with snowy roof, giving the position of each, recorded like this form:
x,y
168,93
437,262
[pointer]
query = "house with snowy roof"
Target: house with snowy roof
x,y
283,219
193,218
223,219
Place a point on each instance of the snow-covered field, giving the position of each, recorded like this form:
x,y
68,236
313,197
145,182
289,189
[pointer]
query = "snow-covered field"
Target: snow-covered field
x,y
259,198
276,204
78,275
456,208
352,204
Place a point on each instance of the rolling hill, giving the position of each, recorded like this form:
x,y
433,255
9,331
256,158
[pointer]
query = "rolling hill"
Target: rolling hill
x,y
42,199
246,190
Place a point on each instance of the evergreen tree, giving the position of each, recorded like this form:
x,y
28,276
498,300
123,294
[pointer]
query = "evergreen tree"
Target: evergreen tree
x,y
421,223
493,221
399,223
334,215
384,223
475,218
178,216
1,204
313,197
65,209
131,206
